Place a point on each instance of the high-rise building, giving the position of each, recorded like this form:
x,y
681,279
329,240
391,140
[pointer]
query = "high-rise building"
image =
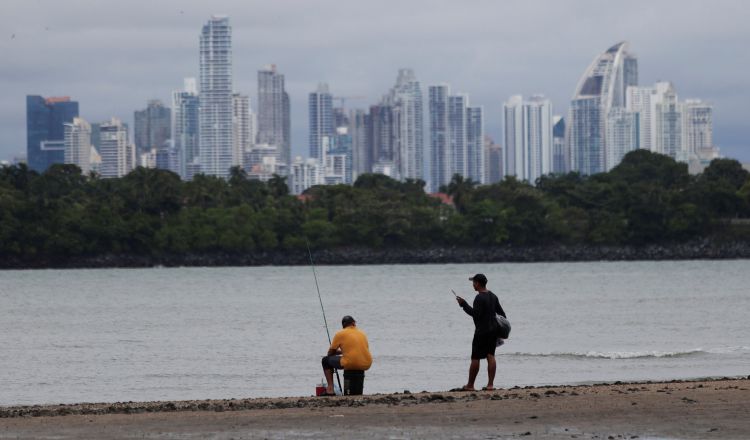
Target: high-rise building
x,y
697,126
361,155
241,128
78,144
405,99
153,126
494,155
642,102
381,140
45,130
337,156
117,153
440,151
668,126
475,155
513,125
457,134
559,152
185,127
456,138
622,135
216,146
274,123
320,110
304,173
168,158
602,87
697,134
528,132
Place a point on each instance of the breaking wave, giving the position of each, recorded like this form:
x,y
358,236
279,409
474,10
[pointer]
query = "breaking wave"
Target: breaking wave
x,y
632,354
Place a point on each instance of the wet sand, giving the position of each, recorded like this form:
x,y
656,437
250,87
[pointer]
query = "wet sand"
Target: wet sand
x,y
665,410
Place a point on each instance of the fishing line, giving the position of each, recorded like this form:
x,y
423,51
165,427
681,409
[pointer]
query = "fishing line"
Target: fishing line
x,y
315,276
322,309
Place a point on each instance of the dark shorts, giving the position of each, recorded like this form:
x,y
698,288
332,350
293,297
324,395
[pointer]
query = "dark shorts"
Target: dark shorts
x,y
332,362
483,345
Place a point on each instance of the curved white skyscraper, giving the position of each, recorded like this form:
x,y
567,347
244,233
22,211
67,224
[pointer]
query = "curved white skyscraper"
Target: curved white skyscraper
x,y
602,88
215,131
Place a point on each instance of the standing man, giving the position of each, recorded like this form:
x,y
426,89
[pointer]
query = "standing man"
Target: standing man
x,y
349,350
483,311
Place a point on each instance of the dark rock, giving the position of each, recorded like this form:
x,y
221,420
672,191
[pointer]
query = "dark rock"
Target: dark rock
x,y
699,249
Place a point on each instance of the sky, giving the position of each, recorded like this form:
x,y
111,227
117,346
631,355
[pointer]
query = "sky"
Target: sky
x,y
113,56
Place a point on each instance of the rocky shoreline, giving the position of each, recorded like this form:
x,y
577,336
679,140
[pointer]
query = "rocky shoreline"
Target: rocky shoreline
x,y
699,410
698,250
401,399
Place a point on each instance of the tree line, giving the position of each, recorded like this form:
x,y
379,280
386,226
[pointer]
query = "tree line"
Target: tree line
x,y
648,198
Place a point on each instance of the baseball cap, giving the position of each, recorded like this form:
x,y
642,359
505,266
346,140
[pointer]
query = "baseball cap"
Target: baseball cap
x,y
480,278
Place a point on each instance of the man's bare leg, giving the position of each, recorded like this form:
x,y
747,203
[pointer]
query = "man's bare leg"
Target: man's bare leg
x,y
473,371
329,380
491,367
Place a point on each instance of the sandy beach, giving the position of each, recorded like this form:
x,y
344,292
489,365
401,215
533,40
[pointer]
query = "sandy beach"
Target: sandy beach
x,y
652,410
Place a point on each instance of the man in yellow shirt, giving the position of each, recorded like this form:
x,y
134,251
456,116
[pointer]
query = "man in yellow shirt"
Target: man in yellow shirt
x,y
349,350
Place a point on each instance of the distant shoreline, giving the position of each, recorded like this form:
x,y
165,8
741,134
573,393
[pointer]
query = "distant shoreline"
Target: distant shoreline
x,y
699,250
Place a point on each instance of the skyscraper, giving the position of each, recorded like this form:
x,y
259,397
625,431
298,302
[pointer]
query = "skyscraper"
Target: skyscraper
x,y
274,123
361,156
622,135
475,154
457,132
117,153
185,127
494,162
215,132
320,111
668,126
642,102
559,152
45,131
440,151
456,137
527,125
408,115
381,139
241,128
153,127
78,144
697,126
602,87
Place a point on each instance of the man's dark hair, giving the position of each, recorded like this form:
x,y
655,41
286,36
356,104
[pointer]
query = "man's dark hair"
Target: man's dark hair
x,y
479,278
347,320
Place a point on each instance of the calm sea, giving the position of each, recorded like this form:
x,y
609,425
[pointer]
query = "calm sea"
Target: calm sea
x,y
197,333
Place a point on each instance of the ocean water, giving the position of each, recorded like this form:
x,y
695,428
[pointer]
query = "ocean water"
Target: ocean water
x,y
197,333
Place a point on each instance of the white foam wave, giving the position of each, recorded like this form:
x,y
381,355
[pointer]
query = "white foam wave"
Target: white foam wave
x,y
633,354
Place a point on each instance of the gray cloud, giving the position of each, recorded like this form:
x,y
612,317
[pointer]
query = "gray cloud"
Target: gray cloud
x,y
114,56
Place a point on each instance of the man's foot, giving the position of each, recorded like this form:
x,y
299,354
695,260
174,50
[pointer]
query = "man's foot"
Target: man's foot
x,y
488,388
463,388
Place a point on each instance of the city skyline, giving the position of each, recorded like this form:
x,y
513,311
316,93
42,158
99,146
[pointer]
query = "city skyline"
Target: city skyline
x,y
359,64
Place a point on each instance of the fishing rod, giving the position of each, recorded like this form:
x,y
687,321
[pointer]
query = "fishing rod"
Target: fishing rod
x,y
322,309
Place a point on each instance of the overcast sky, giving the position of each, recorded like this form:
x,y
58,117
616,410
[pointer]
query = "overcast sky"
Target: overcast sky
x,y
113,56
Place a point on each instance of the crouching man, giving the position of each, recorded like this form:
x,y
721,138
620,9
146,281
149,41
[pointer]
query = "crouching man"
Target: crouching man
x,y
348,351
